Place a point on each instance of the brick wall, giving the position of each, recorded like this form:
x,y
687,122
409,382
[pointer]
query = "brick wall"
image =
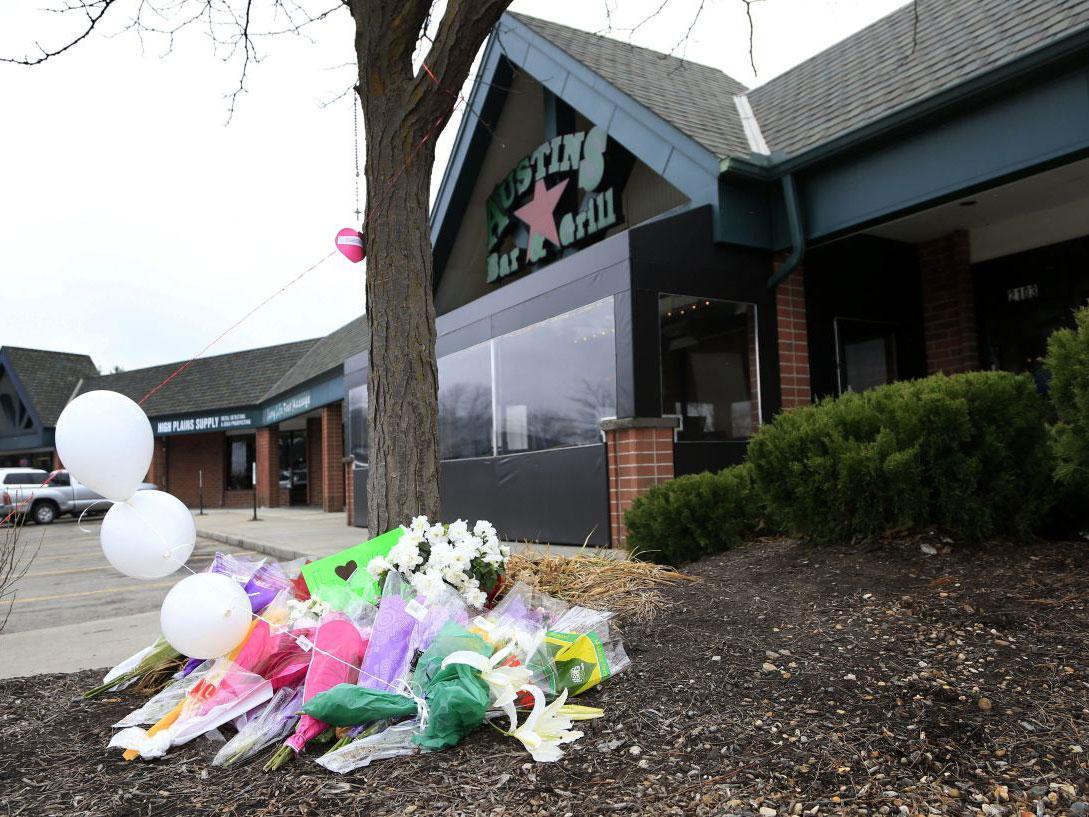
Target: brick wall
x,y
640,455
793,341
241,498
332,457
156,473
186,457
268,467
315,477
949,315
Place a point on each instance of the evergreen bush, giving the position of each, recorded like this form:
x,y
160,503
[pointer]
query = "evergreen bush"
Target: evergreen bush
x,y
967,454
693,516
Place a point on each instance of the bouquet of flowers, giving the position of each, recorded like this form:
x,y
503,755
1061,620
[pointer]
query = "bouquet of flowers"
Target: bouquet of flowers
x,y
429,555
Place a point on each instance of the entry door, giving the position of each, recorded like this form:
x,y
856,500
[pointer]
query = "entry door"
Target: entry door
x,y
865,354
293,466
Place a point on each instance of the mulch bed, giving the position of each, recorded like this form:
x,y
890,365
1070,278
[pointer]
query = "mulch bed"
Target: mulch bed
x,y
862,680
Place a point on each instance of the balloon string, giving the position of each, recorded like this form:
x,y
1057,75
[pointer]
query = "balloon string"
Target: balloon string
x,y
79,522
377,209
306,643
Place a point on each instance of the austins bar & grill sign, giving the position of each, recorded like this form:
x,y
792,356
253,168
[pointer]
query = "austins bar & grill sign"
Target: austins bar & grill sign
x,y
549,202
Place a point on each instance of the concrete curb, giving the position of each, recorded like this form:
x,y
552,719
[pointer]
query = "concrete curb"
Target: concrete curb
x,y
284,554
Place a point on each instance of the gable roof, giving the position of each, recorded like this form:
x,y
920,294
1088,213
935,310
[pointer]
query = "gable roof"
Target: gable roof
x,y
49,378
893,64
220,381
696,99
328,353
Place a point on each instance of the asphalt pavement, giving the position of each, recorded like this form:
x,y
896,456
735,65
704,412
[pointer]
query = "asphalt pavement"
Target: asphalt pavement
x,y
74,611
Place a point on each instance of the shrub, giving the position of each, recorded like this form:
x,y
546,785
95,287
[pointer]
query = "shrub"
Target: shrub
x,y
1068,362
966,453
693,516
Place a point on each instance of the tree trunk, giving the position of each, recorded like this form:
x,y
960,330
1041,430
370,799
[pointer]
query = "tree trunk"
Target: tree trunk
x,y
402,387
403,114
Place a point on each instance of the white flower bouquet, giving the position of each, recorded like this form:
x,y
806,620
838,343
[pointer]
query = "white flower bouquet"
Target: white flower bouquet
x,y
428,555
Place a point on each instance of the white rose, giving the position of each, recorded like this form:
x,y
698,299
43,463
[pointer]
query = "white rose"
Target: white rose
x,y
378,566
419,525
475,597
458,530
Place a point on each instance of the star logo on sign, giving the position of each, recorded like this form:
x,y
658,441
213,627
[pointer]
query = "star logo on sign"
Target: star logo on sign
x,y
537,213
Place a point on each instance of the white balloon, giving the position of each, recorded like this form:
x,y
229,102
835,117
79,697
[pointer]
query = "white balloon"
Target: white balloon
x,y
104,439
205,615
148,536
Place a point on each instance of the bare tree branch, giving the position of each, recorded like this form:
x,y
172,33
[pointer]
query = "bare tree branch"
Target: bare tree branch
x,y
95,11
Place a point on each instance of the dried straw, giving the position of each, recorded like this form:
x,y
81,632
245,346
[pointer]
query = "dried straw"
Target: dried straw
x,y
628,587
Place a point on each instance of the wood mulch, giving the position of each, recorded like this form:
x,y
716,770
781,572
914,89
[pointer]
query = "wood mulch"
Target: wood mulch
x,y
862,680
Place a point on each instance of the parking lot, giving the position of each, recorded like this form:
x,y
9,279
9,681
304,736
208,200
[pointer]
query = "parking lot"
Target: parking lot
x,y
74,611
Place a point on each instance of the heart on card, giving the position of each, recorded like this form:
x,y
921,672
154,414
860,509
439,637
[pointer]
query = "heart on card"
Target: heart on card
x,y
351,245
345,571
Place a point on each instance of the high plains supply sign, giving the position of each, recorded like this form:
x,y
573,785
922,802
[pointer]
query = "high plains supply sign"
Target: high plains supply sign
x,y
201,423
556,197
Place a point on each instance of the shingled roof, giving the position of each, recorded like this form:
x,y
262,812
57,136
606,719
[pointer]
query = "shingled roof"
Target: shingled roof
x,y
696,99
895,63
49,377
884,68
328,353
221,381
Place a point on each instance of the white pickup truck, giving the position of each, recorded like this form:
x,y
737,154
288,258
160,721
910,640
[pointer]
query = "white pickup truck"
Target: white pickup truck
x,y
22,491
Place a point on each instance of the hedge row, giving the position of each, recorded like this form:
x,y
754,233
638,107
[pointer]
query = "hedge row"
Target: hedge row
x,y
968,454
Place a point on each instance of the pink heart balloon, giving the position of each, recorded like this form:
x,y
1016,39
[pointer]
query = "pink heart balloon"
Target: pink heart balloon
x,y
350,244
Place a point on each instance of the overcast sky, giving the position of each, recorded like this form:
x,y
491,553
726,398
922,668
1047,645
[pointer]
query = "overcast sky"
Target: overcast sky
x,y
136,225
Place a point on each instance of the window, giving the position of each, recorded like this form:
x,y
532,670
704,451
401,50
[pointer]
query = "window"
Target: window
x,y
357,424
556,380
866,353
709,367
241,454
25,478
465,403
60,479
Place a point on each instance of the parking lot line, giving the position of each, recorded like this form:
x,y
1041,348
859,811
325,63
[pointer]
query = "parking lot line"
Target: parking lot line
x,y
142,586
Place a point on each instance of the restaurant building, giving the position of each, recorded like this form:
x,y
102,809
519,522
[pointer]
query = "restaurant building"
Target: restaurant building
x,y
638,261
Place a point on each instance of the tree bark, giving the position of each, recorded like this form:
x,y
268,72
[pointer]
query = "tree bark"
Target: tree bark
x,y
403,114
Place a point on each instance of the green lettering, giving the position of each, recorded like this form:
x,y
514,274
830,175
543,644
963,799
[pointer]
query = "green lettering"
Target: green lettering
x,y
592,167
496,221
523,177
572,150
538,159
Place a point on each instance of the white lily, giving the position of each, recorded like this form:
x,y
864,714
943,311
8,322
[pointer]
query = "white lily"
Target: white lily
x,y
503,681
545,728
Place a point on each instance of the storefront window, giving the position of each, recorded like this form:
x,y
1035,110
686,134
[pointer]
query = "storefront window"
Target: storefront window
x,y
241,454
709,367
357,423
866,353
465,403
556,380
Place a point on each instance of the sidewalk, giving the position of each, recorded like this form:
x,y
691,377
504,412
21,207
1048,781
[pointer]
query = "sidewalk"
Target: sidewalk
x,y
294,533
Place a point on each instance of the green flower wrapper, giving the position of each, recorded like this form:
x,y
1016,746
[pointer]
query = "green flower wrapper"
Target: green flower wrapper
x,y
456,696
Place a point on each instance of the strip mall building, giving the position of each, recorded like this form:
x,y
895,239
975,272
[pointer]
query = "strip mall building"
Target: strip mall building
x,y
638,261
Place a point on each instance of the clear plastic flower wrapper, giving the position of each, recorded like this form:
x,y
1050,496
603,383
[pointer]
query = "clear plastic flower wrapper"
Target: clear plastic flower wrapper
x,y
273,723
578,652
165,701
522,619
335,653
389,653
393,741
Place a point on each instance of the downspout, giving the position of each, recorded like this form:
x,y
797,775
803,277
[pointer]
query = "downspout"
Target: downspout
x,y
797,233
